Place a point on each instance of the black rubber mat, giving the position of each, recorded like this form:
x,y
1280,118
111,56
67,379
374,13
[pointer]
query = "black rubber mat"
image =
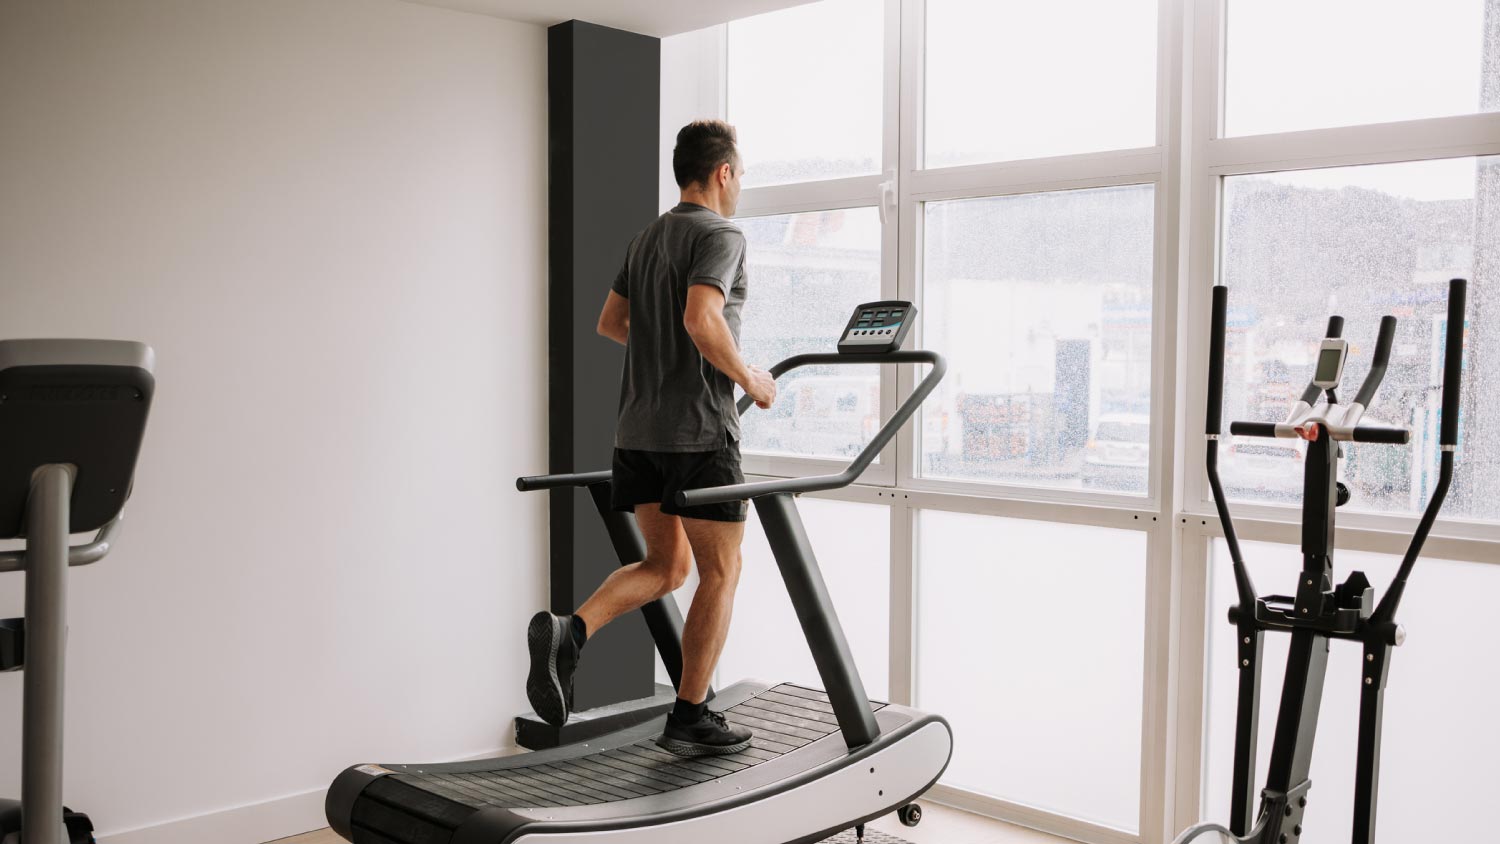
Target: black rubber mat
x,y
871,837
783,719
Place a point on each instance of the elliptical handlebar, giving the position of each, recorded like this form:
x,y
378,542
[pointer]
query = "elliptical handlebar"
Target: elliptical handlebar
x,y
1383,342
1216,361
1358,433
1453,362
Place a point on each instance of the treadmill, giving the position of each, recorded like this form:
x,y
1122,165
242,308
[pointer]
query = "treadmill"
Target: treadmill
x,y
72,416
821,761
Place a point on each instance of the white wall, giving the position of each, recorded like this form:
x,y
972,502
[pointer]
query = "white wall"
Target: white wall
x,y
329,220
687,92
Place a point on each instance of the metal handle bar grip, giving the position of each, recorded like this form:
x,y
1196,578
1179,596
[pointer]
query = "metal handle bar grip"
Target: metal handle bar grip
x,y
536,482
1453,360
753,489
839,358
1216,360
78,555
1253,429
1359,434
1383,343
1387,436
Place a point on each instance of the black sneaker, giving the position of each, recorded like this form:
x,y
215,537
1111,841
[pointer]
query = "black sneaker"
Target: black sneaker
x,y
710,736
554,657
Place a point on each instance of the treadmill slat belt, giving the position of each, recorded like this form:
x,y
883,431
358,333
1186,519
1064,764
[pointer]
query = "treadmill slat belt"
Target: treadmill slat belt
x,y
593,769
783,719
580,777
609,766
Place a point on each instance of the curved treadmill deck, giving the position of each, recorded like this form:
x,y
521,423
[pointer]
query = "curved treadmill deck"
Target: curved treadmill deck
x,y
623,788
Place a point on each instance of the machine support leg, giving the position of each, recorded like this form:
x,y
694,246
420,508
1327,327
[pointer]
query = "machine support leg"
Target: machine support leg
x,y
663,618
47,524
1377,661
1247,728
820,624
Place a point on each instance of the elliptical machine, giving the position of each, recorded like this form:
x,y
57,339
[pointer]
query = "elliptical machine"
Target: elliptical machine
x,y
72,415
1319,611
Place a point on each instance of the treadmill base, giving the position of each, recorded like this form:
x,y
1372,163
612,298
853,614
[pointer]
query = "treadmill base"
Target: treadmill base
x,y
871,837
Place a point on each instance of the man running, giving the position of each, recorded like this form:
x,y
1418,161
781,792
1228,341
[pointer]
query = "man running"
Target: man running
x,y
675,306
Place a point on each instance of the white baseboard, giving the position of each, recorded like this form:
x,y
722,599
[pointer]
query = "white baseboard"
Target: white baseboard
x,y
257,823
282,817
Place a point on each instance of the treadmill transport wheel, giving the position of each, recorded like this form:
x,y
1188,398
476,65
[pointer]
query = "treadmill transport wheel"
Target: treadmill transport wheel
x,y
910,814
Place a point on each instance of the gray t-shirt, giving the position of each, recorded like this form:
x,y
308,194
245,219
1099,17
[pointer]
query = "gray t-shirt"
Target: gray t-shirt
x,y
671,397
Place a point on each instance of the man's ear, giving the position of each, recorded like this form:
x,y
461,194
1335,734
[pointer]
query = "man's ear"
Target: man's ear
x,y
725,172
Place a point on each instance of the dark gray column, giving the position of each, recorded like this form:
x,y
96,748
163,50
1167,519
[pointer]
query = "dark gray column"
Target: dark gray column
x,y
604,92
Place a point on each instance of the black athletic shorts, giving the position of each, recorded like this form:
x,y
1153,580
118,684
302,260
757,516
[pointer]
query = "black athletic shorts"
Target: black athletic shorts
x,y
655,477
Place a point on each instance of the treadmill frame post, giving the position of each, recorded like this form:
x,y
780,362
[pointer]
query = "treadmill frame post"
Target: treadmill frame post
x,y
663,618
47,520
819,620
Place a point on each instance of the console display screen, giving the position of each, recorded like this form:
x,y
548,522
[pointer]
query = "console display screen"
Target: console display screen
x,y
1328,366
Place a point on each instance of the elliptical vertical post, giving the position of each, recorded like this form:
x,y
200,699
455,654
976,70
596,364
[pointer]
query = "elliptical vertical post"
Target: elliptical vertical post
x,y
47,524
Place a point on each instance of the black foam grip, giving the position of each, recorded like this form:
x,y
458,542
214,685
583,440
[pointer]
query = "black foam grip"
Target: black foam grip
x,y
1383,342
1335,326
1453,360
1216,360
1388,436
1253,429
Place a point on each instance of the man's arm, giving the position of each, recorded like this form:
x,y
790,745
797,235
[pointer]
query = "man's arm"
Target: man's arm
x,y
614,320
704,320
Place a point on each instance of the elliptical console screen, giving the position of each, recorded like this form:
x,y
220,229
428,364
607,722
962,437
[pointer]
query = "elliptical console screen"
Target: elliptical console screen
x,y
877,327
1330,369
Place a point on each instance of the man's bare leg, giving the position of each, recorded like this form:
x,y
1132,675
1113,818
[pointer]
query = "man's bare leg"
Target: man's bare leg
x,y
554,641
668,561
692,729
716,547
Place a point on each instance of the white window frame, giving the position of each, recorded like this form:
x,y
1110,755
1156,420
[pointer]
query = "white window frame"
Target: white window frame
x,y
1185,167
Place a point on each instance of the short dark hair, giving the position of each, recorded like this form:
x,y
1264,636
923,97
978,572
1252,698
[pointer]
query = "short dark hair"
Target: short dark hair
x,y
702,147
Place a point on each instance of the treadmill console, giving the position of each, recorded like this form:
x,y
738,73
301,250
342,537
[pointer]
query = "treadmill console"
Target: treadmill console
x,y
877,327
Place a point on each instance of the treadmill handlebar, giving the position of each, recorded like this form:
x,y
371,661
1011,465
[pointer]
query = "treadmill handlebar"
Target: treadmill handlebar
x,y
939,366
536,482
755,489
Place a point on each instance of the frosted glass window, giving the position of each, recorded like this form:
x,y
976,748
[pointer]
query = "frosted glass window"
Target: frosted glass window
x,y
1363,242
1439,744
852,543
805,91
1030,641
1010,81
1291,65
1042,304
807,273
